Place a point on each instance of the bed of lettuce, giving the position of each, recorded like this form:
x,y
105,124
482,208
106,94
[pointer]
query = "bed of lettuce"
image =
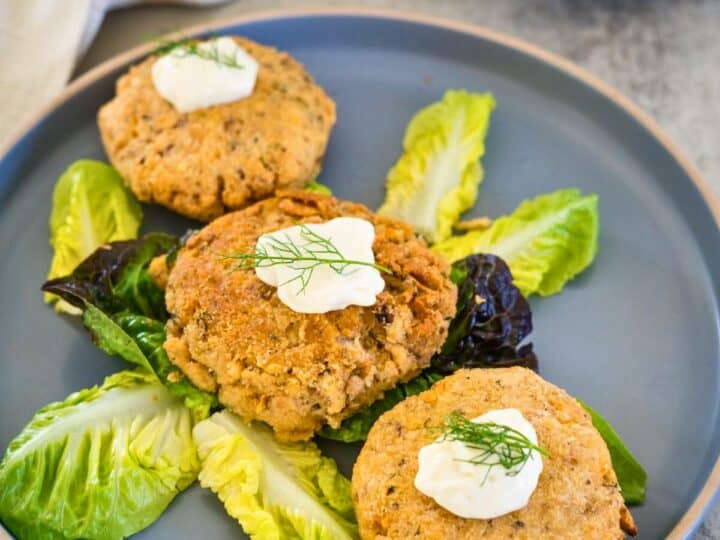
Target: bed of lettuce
x,y
105,462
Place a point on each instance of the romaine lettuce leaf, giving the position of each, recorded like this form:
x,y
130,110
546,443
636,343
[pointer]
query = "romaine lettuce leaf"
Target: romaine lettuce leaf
x,y
437,177
275,490
91,206
546,241
316,187
630,474
125,311
103,464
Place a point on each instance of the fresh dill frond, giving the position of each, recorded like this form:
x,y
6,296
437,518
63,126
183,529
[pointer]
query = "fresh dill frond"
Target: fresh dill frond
x,y
314,251
191,47
165,45
497,445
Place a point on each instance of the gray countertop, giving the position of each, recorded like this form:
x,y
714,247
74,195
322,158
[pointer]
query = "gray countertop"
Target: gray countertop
x,y
663,54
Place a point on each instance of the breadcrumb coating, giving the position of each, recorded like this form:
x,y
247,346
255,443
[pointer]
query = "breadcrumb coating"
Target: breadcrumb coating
x,y
209,161
230,333
577,495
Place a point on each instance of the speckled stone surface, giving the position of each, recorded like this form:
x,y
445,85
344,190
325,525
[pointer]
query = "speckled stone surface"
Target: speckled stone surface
x,y
663,54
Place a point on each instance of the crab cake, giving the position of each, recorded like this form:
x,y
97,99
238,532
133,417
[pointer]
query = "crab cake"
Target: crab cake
x,y
577,495
224,157
230,333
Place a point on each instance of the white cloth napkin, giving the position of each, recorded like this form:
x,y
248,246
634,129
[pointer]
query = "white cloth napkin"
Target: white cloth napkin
x,y
40,41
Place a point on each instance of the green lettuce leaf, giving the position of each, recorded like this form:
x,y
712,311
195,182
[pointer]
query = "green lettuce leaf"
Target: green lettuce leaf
x,y
357,427
112,339
91,206
275,490
630,474
437,177
125,311
103,464
546,241
316,187
135,290
149,335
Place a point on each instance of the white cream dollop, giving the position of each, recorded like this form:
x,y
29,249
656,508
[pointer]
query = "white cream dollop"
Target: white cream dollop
x,y
190,82
478,491
326,290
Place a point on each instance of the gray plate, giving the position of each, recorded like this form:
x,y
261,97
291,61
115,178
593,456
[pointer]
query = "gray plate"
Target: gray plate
x,y
636,336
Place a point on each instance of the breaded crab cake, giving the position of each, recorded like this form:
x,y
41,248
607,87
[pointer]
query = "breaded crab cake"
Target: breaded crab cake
x,y
230,333
577,495
224,157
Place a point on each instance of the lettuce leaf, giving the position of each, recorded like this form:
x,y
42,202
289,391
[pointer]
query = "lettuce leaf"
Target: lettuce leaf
x,y
630,474
110,337
275,490
437,177
91,206
492,319
115,277
103,464
357,427
125,311
316,187
149,335
139,340
546,241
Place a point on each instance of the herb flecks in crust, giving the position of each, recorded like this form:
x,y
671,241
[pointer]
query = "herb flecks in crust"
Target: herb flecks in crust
x,y
298,371
577,495
207,162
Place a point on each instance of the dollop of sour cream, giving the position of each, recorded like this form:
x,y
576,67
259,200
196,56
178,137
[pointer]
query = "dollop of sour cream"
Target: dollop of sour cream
x,y
478,491
326,290
191,82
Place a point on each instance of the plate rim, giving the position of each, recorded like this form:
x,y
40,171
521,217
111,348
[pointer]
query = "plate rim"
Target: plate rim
x,y
692,518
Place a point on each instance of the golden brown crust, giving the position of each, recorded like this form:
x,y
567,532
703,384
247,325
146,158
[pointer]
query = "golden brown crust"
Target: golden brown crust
x,y
292,370
627,523
206,162
159,271
577,494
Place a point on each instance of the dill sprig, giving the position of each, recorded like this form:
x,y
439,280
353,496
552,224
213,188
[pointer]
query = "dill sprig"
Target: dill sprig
x,y
497,445
304,258
191,47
